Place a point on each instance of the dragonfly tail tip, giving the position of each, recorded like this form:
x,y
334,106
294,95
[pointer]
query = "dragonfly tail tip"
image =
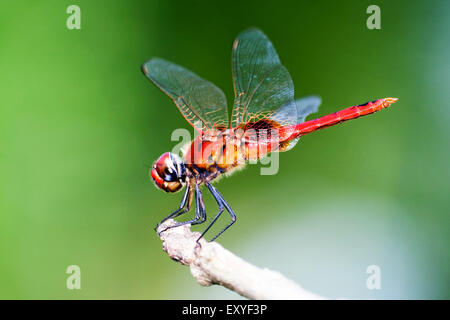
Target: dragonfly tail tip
x,y
391,100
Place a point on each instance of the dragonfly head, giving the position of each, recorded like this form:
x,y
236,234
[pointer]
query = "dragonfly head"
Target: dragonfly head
x,y
169,172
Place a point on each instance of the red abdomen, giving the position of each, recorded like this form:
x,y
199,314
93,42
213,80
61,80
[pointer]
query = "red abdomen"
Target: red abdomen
x,y
292,132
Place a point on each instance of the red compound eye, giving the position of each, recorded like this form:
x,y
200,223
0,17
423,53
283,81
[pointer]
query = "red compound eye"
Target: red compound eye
x,y
161,164
156,178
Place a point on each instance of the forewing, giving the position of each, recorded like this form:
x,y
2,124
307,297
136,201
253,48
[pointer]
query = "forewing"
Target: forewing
x,y
262,84
202,104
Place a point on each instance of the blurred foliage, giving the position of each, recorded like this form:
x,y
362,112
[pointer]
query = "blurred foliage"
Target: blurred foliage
x,y
79,124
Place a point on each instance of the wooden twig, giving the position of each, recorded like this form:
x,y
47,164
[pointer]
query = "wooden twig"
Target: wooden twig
x,y
210,264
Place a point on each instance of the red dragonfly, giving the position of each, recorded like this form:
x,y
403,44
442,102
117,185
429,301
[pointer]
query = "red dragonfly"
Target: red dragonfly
x,y
264,103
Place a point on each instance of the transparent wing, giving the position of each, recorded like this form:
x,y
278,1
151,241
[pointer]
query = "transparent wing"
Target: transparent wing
x,y
262,84
202,104
304,107
300,108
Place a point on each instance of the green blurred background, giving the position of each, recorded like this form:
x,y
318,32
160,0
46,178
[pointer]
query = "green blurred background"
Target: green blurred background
x,y
79,123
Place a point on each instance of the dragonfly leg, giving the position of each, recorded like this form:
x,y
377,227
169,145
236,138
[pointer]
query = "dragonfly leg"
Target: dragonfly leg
x,y
222,205
183,208
201,205
200,212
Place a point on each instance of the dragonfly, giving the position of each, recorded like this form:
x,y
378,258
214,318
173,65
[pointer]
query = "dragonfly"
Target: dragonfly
x,y
265,118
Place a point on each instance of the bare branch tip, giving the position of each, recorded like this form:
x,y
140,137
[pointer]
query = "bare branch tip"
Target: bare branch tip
x,y
210,263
